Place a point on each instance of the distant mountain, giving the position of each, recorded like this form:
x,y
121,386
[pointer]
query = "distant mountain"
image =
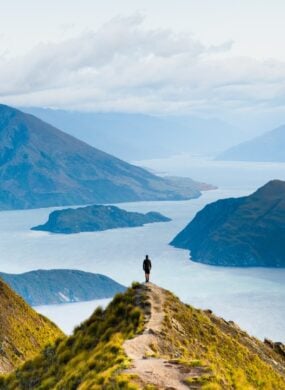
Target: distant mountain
x,y
96,218
41,166
148,339
23,332
240,232
135,137
48,287
267,147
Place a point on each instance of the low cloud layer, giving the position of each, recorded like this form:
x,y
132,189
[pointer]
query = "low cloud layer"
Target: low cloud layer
x,y
124,66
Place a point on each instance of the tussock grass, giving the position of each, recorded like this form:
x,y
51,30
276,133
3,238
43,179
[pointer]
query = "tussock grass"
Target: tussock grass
x,y
93,357
210,353
23,332
224,356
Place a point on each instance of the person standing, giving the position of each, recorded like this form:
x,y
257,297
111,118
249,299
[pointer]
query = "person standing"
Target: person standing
x,y
147,268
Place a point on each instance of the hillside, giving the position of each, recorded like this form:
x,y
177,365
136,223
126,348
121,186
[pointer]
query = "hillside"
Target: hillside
x,y
134,136
41,166
267,147
48,287
148,339
247,231
96,218
23,332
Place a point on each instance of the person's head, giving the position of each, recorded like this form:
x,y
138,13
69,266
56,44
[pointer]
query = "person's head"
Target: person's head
x,y
146,256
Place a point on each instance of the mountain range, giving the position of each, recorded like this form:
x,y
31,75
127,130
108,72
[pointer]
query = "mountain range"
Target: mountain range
x,y
23,332
133,136
147,339
41,166
267,147
49,287
240,232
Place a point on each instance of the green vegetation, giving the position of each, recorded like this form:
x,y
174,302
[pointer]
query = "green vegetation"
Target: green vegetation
x,y
209,352
23,332
223,356
93,357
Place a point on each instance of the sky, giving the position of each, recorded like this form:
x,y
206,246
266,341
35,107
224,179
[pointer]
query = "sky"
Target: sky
x,y
221,58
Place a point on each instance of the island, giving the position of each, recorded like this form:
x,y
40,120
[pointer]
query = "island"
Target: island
x,y
96,218
55,286
239,232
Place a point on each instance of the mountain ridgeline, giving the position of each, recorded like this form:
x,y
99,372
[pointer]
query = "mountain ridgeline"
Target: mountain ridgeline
x,y
133,136
96,218
41,166
23,332
267,147
49,287
176,343
241,232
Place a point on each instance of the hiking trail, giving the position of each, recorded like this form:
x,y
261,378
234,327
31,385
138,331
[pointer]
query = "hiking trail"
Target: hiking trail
x,y
154,370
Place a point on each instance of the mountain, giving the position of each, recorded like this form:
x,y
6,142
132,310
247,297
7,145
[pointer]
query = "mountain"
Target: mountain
x,y
240,232
23,332
96,218
148,339
133,136
41,166
267,147
48,287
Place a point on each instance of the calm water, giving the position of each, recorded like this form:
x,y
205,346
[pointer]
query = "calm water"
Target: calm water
x,y
254,298
225,174
66,316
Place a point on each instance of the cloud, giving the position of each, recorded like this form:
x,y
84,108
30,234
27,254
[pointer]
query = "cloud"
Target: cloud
x,y
125,66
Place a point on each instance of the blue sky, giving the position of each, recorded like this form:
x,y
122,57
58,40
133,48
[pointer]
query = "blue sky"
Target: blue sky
x,y
223,57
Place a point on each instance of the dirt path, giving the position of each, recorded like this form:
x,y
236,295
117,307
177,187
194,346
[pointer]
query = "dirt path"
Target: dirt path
x,y
140,349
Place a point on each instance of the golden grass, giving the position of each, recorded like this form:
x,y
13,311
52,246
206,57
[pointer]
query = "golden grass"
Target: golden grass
x,y
92,358
215,354
227,356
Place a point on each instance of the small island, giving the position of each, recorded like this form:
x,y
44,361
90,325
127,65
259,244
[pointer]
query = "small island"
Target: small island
x,y
96,218
239,232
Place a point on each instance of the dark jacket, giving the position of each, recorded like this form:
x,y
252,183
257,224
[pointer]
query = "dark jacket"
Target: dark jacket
x,y
147,265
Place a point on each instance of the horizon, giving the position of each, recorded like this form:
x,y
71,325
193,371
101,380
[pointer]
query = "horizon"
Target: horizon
x,y
223,61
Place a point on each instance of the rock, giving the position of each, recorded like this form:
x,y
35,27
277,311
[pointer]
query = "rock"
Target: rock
x,y
276,346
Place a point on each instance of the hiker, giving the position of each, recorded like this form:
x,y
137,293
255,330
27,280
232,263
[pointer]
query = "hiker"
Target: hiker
x,y
147,268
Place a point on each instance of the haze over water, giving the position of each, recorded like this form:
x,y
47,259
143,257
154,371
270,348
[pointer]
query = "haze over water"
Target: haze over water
x,y
253,297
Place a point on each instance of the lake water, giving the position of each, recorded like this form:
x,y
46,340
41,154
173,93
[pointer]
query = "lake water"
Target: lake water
x,y
66,316
254,298
225,174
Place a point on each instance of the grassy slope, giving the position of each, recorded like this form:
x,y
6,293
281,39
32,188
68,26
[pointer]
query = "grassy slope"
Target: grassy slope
x,y
230,357
93,358
23,332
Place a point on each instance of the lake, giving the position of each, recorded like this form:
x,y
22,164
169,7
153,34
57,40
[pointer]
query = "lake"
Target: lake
x,y
253,297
